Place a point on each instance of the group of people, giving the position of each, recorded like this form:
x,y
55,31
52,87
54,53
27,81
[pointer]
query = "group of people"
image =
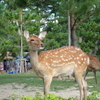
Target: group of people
x,y
16,66
13,65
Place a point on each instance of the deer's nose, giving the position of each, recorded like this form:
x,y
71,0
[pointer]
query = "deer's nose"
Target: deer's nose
x,y
42,45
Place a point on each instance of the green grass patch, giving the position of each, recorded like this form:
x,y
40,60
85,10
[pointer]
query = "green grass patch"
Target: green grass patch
x,y
92,86
62,84
31,79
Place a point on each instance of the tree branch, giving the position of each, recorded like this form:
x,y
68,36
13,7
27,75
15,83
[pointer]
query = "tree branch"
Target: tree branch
x,y
45,2
15,46
85,19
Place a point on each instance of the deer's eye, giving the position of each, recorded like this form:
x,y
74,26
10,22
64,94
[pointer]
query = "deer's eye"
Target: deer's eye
x,y
32,39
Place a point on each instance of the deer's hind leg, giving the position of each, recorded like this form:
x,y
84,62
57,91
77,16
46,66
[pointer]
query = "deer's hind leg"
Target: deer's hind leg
x,y
95,76
86,73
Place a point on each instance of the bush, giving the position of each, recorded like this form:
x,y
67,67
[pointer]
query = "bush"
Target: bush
x,y
93,96
39,97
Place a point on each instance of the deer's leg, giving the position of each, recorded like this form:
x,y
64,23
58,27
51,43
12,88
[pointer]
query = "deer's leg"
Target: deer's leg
x,y
95,76
86,73
82,85
84,89
47,81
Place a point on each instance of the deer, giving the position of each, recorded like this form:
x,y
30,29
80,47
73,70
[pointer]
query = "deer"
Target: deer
x,y
62,61
93,66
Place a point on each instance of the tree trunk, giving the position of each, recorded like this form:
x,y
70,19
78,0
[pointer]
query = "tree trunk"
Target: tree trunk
x,y
21,52
73,31
69,30
74,37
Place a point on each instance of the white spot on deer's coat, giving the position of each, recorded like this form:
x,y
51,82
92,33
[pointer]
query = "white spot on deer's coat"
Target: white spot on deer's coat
x,y
88,61
56,56
55,61
61,56
84,58
70,58
66,60
49,67
77,57
74,51
79,62
47,63
46,56
56,52
80,54
77,48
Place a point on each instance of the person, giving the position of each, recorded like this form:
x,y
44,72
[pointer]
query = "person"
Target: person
x,y
29,65
8,65
1,66
16,66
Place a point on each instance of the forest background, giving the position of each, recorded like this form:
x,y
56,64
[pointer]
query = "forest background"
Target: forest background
x,y
52,16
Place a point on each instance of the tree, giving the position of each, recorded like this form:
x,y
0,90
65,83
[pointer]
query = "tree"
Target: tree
x,y
79,11
56,36
89,35
19,17
51,11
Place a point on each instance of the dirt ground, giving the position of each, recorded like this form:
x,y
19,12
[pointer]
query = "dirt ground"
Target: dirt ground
x,y
13,88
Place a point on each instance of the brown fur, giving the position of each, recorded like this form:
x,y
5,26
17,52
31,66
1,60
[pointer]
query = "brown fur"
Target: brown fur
x,y
93,66
58,62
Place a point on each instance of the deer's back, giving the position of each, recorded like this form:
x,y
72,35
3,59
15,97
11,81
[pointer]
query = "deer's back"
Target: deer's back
x,y
64,56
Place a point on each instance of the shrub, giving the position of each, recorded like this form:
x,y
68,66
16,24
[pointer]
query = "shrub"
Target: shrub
x,y
93,96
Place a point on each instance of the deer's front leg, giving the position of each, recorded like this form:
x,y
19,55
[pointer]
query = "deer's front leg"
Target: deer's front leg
x,y
47,81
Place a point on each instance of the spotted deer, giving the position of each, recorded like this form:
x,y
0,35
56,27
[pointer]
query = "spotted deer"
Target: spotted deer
x,y
57,62
93,66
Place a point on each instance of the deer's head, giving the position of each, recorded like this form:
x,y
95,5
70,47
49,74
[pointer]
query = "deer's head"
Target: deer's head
x,y
35,42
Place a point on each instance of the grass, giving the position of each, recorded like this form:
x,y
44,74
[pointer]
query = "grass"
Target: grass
x,y
92,84
31,79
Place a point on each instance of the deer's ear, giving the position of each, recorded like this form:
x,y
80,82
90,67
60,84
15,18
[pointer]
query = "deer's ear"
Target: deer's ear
x,y
42,35
26,34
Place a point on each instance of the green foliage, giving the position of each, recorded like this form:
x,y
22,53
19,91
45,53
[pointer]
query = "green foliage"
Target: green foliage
x,y
55,40
56,37
53,97
40,97
93,96
14,4
89,33
33,12
27,98
14,96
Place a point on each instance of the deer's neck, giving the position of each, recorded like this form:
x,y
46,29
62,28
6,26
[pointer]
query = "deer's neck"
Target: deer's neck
x,y
34,59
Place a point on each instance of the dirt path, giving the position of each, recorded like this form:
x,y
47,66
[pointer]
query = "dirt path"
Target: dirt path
x,y
13,88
